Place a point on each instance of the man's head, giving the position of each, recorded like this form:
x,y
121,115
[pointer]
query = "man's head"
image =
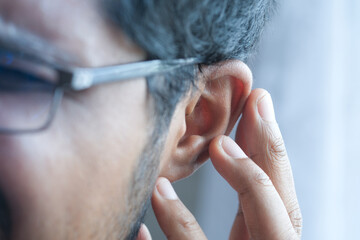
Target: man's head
x,y
90,173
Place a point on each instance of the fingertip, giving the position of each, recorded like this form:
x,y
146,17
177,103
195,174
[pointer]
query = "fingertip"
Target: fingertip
x,y
232,149
144,233
216,150
164,188
266,108
258,93
260,106
251,104
215,145
224,152
250,117
173,217
225,146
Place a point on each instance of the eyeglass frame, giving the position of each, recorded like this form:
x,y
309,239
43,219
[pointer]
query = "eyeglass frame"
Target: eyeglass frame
x,y
78,79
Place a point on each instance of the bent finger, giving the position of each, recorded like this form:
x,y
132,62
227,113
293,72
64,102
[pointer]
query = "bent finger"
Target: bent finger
x,y
258,134
239,230
264,212
174,218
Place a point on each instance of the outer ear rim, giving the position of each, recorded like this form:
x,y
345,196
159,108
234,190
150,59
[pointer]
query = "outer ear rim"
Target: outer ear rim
x,y
244,92
242,75
183,162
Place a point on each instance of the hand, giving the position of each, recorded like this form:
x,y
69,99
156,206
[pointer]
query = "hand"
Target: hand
x,y
259,171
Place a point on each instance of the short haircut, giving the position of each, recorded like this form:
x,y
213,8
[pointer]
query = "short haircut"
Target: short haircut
x,y
210,30
213,30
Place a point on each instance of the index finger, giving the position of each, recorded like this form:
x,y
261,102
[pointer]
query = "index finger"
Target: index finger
x,y
259,136
262,208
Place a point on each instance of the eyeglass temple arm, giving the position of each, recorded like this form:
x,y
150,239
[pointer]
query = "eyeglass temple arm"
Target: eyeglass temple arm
x,y
84,78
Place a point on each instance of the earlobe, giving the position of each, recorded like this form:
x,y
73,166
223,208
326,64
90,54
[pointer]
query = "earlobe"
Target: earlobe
x,y
211,110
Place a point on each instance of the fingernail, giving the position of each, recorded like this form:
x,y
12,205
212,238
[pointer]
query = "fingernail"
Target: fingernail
x,y
231,148
165,189
144,233
266,108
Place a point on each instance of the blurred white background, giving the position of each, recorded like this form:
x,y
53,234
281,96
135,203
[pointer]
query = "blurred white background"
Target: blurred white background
x,y
309,60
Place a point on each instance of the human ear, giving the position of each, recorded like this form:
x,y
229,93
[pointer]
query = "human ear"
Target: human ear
x,y
211,109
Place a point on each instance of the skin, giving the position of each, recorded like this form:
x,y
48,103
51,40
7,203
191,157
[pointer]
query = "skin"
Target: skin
x,y
259,171
73,180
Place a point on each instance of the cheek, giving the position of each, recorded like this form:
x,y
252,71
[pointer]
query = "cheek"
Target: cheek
x,y
49,186
105,130
83,161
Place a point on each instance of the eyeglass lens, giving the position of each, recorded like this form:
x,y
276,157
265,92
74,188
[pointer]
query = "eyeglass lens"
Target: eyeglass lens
x,y
25,100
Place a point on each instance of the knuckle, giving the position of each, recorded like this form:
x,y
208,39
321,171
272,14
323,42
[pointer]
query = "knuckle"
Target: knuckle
x,y
244,191
258,177
276,154
240,212
276,149
187,221
189,225
263,179
296,218
183,224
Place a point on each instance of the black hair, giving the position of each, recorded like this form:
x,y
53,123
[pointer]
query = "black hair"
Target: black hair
x,y
211,30
214,30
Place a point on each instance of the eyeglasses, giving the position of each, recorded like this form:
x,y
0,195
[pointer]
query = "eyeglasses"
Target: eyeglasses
x,y
31,90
